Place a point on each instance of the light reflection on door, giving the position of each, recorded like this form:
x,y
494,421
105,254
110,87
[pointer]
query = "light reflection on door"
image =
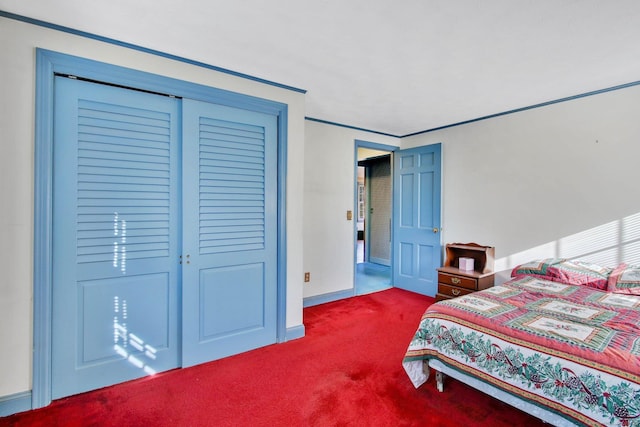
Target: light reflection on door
x,y
125,343
120,243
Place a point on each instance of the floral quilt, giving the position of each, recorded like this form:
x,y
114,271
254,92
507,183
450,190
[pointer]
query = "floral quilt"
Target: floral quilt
x,y
574,350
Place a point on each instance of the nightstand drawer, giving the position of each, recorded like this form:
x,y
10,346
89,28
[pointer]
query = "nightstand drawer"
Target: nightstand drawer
x,y
452,291
462,282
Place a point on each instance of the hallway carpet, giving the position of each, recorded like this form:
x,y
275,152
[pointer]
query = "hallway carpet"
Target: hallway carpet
x,y
346,371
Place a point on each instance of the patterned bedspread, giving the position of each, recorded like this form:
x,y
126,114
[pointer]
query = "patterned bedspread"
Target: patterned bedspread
x,y
572,349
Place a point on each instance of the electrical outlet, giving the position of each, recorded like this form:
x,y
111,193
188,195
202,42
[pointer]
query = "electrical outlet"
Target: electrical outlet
x,y
307,277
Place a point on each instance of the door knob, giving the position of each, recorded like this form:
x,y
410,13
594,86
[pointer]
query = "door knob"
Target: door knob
x,y
436,229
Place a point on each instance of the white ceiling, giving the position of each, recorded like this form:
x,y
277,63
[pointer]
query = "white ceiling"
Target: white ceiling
x,y
391,66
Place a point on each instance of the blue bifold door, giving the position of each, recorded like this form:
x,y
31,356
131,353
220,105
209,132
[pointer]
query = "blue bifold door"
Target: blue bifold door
x,y
164,233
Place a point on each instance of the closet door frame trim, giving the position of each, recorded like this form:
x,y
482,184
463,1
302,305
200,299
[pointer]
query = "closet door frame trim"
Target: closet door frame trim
x,y
50,63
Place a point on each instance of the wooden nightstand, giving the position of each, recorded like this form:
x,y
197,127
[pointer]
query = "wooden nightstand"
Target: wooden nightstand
x,y
454,282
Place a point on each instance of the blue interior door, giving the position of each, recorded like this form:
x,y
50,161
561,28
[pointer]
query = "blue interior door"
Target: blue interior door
x,y
416,225
115,245
229,233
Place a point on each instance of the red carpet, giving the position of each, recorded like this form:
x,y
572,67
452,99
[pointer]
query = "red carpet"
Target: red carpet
x,y
346,371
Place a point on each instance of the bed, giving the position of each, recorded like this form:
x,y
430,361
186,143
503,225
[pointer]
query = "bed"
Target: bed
x,y
560,340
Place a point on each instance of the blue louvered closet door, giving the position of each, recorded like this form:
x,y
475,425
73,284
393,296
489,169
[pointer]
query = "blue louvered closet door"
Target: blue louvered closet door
x,y
230,214
115,242
164,234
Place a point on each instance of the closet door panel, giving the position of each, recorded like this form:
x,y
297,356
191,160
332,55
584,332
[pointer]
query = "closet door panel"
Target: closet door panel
x,y
229,233
115,240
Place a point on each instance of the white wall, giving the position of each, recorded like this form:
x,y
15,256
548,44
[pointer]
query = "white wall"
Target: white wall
x,y
560,180
329,185
17,62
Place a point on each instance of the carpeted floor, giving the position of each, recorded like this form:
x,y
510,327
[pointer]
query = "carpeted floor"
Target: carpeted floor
x,y
346,371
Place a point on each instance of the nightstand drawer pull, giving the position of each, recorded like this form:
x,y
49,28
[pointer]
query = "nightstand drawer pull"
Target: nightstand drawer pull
x,y
450,291
458,280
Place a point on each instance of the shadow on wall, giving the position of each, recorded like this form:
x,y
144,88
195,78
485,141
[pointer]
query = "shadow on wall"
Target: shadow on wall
x,y
608,245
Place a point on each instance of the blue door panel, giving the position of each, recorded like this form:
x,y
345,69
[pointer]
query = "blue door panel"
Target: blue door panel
x,y
407,200
425,212
122,316
426,264
416,224
406,259
406,160
427,159
223,313
115,248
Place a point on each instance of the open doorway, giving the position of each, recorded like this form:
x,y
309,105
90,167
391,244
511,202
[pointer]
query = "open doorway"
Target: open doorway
x,y
373,214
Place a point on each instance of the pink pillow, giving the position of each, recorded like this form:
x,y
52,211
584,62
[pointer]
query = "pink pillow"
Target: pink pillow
x,y
582,273
565,271
625,279
542,268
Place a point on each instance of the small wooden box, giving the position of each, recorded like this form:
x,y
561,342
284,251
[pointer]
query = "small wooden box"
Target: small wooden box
x,y
466,264
483,256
